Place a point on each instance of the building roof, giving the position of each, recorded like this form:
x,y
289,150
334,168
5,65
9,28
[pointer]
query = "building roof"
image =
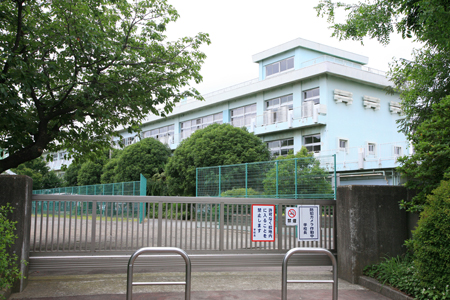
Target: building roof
x,y
302,43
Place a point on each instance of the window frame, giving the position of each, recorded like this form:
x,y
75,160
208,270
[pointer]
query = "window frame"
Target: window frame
x,y
198,123
243,115
289,146
315,99
319,143
278,64
346,144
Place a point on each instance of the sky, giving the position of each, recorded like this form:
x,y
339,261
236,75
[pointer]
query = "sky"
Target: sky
x,y
239,29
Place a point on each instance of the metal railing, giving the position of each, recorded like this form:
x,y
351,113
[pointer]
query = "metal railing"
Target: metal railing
x,y
186,283
291,252
75,224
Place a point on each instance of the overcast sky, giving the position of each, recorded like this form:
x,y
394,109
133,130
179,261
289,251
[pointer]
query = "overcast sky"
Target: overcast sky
x,y
240,28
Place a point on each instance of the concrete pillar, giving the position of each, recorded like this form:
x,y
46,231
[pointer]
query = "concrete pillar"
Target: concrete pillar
x,y
17,190
370,227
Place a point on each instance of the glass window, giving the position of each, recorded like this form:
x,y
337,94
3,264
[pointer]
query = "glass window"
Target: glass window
x,y
312,143
281,147
312,95
280,66
189,127
243,116
371,148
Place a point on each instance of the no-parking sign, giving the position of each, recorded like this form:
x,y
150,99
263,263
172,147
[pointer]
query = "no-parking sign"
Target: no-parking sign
x,y
291,215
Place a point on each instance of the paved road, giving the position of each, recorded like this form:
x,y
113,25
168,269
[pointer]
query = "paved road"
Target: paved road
x,y
237,284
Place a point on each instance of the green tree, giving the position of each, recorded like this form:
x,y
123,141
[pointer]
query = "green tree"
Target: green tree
x,y
312,180
71,72
147,157
110,167
430,161
42,177
431,243
71,174
214,145
90,173
422,82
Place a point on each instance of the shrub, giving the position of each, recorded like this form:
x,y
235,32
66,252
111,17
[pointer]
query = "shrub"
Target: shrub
x,y
9,270
431,241
240,193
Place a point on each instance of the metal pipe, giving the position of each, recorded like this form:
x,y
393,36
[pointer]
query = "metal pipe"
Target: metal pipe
x,y
136,254
291,252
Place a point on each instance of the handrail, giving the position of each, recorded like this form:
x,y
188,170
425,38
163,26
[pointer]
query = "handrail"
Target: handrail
x,y
291,252
135,255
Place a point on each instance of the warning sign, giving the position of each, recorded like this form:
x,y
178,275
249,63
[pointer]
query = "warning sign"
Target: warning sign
x,y
291,216
309,223
263,223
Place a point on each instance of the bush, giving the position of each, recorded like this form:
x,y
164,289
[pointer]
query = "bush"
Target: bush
x,y
9,270
240,193
431,241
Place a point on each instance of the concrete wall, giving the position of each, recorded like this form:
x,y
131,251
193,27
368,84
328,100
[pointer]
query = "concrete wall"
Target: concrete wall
x,y
370,227
17,190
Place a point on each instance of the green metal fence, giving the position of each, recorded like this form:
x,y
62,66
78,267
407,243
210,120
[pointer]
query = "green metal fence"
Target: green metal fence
x,y
132,188
296,178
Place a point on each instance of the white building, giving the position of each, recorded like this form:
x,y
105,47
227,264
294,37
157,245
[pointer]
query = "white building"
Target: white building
x,y
306,94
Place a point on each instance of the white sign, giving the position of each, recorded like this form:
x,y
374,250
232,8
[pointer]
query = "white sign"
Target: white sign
x,y
291,216
309,223
263,223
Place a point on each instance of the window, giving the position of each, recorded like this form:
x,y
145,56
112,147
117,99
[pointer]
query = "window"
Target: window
x,y
164,134
277,110
280,66
371,148
55,156
312,143
312,95
343,145
243,116
397,151
189,127
281,147
61,155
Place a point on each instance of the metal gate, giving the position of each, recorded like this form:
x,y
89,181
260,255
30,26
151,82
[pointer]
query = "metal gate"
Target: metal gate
x,y
71,231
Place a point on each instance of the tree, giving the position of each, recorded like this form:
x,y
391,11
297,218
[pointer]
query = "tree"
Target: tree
x,y
71,174
42,177
312,180
214,145
147,157
72,72
90,172
423,83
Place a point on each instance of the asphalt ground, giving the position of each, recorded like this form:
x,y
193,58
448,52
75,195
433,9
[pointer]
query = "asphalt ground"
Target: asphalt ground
x,y
224,284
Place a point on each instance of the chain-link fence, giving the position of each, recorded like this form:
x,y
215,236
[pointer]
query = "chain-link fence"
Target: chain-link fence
x,y
121,188
296,178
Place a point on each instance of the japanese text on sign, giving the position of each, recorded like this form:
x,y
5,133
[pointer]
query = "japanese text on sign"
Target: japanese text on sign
x,y
263,223
309,223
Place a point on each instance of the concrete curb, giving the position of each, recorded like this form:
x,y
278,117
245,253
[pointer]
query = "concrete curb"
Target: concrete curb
x,y
385,290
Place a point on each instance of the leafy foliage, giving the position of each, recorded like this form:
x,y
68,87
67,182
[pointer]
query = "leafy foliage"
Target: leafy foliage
x,y
9,270
147,157
72,72
430,162
90,172
71,174
42,177
240,193
311,178
431,241
214,145
424,83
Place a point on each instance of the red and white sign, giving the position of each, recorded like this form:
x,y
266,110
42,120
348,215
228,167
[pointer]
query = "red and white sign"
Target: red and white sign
x,y
263,223
291,216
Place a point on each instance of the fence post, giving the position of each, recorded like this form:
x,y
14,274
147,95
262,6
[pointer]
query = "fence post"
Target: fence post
x,y
222,228
93,225
276,166
160,212
246,179
142,192
220,180
296,190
